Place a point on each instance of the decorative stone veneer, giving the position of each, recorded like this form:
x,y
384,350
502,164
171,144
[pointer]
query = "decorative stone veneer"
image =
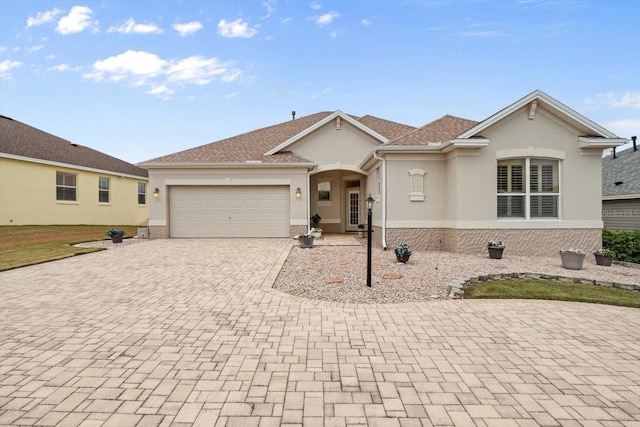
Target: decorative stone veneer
x,y
457,286
420,239
528,242
525,242
158,232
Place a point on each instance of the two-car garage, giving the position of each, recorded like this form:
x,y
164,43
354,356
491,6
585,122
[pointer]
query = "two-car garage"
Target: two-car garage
x,y
229,211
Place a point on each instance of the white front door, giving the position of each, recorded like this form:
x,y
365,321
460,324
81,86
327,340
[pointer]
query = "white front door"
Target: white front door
x,y
353,209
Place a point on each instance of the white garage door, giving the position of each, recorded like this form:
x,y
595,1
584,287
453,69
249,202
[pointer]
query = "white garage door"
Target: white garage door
x,y
233,211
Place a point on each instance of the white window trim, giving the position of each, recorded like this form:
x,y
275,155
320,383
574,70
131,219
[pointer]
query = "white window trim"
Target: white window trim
x,y
71,202
139,193
108,190
416,192
527,193
324,202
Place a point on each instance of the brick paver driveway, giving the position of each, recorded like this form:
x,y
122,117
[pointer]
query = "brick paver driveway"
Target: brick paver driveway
x,y
189,332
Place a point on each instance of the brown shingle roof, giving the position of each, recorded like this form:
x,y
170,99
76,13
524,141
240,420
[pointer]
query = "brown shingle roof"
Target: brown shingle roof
x,y
248,146
253,145
441,130
389,129
19,139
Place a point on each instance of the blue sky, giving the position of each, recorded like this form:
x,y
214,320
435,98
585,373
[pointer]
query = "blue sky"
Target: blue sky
x,y
141,79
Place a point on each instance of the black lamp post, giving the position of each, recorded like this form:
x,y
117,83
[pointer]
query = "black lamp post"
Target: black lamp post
x,y
369,230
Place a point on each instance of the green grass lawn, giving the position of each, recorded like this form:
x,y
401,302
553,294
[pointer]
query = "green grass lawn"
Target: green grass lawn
x,y
551,290
33,244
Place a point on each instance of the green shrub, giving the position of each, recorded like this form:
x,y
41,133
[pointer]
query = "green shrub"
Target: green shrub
x,y
626,244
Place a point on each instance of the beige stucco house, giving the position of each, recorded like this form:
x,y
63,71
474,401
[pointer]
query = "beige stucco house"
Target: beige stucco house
x,y
47,180
529,175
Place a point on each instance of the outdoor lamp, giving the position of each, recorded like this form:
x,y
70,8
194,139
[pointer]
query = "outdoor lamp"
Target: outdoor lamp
x,y
370,201
156,193
369,230
298,193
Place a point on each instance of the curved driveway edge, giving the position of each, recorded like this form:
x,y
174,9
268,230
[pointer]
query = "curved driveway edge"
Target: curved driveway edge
x,y
187,332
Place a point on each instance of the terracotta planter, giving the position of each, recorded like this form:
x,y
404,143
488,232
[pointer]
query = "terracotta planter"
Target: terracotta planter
x,y
603,260
116,239
572,261
495,253
306,242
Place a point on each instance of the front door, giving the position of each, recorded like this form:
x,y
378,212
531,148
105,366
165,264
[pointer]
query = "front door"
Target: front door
x,y
353,208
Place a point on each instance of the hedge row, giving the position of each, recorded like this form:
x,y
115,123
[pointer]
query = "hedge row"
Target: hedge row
x,y
626,244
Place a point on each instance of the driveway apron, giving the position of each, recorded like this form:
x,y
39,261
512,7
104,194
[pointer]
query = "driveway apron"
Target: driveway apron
x,y
189,332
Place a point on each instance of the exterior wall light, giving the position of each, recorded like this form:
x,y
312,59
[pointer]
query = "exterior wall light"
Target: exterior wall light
x,y
298,193
156,194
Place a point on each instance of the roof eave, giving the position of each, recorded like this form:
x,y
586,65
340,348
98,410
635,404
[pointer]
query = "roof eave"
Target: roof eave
x,y
538,95
601,143
321,123
225,165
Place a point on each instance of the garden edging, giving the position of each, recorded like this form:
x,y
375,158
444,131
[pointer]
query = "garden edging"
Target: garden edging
x,y
457,286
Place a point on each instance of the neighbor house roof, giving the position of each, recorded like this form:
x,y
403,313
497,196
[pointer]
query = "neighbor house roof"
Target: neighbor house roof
x,y
252,146
625,170
19,140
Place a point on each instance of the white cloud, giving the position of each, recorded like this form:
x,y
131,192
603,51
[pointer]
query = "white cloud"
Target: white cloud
x,y
327,18
285,20
35,48
628,100
126,65
232,95
365,22
236,28
43,17
315,5
78,20
196,70
271,7
160,76
162,91
624,128
50,56
131,27
64,67
611,100
188,28
6,66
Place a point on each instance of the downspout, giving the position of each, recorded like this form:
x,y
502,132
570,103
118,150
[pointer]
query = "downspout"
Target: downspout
x,y
383,196
309,197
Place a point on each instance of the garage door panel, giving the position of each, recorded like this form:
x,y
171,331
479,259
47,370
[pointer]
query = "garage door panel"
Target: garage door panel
x,y
231,211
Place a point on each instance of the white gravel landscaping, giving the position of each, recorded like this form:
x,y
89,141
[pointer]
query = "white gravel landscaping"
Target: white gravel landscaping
x,y
338,273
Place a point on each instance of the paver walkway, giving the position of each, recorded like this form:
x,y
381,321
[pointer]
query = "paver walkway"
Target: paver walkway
x,y
188,332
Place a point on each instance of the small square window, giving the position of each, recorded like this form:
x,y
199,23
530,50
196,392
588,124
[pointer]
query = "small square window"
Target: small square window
x,y
324,191
66,187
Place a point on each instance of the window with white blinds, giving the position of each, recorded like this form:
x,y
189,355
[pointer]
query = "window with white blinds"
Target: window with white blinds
x,y
537,199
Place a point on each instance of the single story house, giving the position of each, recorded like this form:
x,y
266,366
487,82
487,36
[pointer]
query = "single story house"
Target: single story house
x,y
46,180
621,189
529,175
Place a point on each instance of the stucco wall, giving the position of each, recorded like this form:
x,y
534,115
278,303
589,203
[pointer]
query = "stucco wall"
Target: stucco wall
x,y
28,197
335,148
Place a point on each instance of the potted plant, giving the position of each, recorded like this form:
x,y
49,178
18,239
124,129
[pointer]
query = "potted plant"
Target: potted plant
x,y
315,219
317,232
116,235
403,252
496,247
306,240
604,256
572,258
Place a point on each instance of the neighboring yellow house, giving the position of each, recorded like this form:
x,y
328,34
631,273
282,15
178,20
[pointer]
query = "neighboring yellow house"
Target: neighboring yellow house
x,y
49,180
